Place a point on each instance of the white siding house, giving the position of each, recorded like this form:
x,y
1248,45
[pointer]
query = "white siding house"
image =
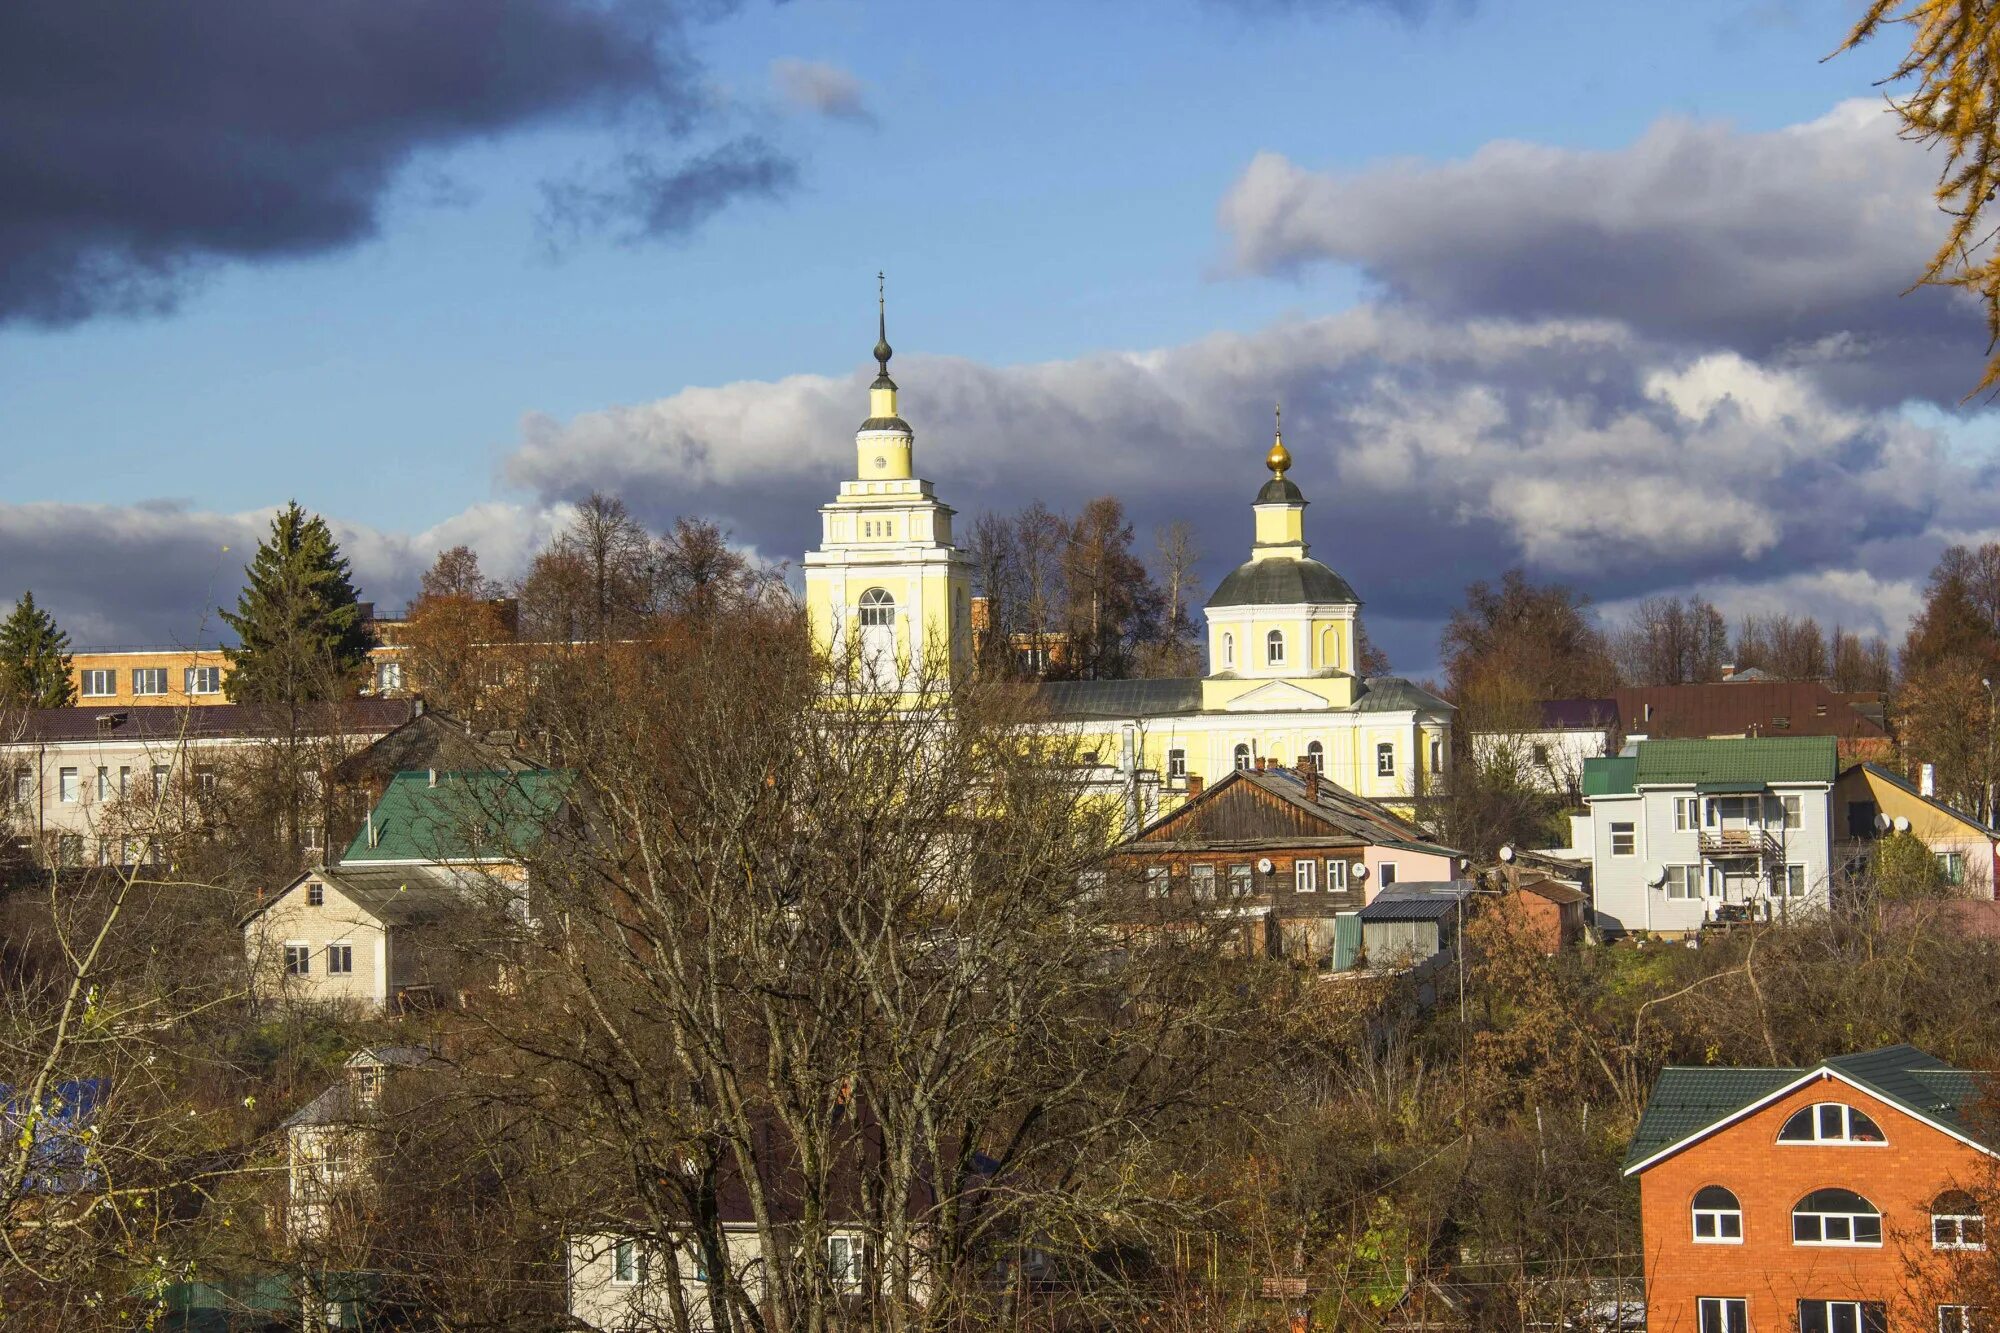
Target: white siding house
x,y
1681,833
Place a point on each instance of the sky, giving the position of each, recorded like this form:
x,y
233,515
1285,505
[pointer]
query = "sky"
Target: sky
x,y
1615,293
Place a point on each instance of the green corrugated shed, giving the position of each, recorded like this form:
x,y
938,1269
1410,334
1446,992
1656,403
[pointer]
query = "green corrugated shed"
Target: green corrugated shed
x,y
1687,1100
1609,777
1763,759
459,816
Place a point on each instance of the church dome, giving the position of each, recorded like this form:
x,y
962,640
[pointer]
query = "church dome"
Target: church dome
x,y
1282,581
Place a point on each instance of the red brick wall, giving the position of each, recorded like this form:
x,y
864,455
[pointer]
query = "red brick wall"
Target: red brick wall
x,y
1901,1178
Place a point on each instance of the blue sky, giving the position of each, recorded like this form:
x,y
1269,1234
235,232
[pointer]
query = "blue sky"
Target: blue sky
x,y
1043,182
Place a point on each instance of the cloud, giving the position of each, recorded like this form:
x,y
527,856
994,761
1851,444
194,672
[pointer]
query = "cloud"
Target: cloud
x,y
1434,451
643,199
141,144
1793,246
815,85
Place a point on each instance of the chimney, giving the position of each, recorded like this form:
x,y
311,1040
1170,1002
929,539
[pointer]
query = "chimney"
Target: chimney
x,y
1193,785
371,826
1927,780
431,777
1728,670
1261,762
1312,784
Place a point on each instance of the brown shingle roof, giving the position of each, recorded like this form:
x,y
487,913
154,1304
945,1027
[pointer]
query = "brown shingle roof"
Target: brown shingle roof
x,y
1740,708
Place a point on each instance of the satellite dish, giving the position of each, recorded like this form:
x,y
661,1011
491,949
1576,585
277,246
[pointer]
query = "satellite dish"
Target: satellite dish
x,y
1881,823
1902,823
1263,865
1507,853
1656,876
1358,871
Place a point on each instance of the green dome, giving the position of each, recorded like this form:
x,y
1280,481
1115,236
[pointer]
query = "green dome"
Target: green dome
x,y
1282,581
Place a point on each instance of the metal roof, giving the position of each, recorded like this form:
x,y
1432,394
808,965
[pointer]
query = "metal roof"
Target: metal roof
x,y
457,816
1761,760
167,722
1120,698
1613,776
1689,1100
1282,581
1740,706
1419,901
1393,694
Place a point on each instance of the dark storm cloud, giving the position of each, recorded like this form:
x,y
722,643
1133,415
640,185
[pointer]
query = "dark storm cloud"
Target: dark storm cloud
x,y
1794,245
140,142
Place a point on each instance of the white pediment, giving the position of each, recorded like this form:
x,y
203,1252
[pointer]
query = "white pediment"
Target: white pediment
x,y
1277,697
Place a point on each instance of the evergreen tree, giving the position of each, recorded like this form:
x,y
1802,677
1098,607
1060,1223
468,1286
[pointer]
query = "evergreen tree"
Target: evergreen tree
x,y
298,620
34,659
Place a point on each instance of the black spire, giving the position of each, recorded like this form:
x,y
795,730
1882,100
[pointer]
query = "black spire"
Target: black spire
x,y
882,349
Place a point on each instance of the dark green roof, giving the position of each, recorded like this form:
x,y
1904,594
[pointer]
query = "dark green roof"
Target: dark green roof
x,y
1689,1099
1152,697
1609,777
1282,581
1752,760
1280,490
1393,694
460,816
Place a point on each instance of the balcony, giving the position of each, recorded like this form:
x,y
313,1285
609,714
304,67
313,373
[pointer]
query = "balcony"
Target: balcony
x,y
1736,844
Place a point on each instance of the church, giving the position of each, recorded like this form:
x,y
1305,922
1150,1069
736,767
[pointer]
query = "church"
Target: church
x,y
888,589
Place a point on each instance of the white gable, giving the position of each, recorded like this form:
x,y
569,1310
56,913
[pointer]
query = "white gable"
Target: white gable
x,y
1277,697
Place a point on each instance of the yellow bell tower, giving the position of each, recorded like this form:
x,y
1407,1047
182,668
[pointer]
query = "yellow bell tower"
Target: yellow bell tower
x,y
888,595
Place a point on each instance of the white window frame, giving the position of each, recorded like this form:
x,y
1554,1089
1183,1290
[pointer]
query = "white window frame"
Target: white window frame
x,y
1956,1318
1687,813
97,682
103,782
1846,1135
1201,882
1846,1220
69,785
1159,881
1305,875
1274,648
1242,880
1718,1219
298,958
1826,1307
315,894
1631,835
1176,765
626,1268
1385,759
1797,883
1721,1314
1437,754
1228,649
340,958
1385,874
201,680
144,676
1794,812
1960,1224
162,774
1316,751
1690,877
843,1261
1951,864
1243,756
1336,874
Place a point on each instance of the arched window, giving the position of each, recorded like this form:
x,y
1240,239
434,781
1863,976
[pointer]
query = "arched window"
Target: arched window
x,y
1274,647
1243,758
1329,647
878,607
1718,1218
1228,649
1830,1122
1957,1223
1836,1217
1316,756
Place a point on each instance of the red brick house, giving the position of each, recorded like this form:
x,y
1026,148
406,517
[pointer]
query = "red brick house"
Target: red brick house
x,y
1809,1199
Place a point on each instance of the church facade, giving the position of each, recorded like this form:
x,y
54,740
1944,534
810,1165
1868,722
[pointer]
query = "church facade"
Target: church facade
x,y
888,592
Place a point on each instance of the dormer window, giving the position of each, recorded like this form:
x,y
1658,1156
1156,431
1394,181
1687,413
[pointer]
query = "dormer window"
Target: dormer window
x,y
1831,1122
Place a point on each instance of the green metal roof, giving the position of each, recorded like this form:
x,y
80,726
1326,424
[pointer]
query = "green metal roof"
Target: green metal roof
x,y
458,816
1282,581
1609,777
1752,760
1687,1100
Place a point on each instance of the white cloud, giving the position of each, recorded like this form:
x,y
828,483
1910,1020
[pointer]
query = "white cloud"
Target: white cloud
x,y
817,86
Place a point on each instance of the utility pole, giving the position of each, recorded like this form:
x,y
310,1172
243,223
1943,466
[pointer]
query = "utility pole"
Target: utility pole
x,y
1987,683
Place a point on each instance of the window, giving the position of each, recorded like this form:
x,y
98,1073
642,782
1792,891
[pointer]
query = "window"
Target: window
x,y
69,851
1718,1218
1228,650
1336,875
1952,866
878,607
159,781
1158,881
103,783
24,785
68,788
340,960
1316,756
1090,885
1385,760
1388,874
1176,765
1722,1314
107,851
124,780
1239,881
202,679
843,1260
1958,1319
1437,754
1861,819
149,680
1836,1217
1782,722
1957,1223
204,781
1842,1317
1274,647
1242,757
388,677
1791,805
1830,1122
298,959
624,1263
99,682
1795,881
1683,883
1305,875
1624,842
1687,813
1201,883
1538,755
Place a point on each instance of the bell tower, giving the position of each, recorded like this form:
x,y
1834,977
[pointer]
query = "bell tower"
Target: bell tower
x,y
888,594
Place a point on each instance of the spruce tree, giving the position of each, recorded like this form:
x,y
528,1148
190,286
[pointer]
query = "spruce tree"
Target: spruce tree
x,y
298,621
34,659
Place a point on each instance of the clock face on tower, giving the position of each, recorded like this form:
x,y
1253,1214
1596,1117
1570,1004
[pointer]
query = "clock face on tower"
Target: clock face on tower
x,y
881,461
